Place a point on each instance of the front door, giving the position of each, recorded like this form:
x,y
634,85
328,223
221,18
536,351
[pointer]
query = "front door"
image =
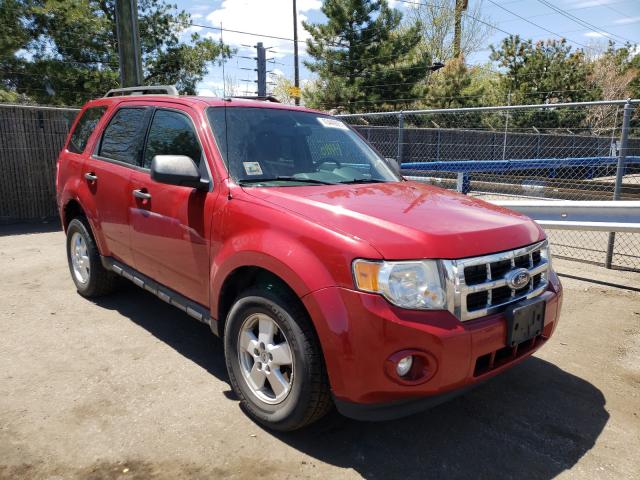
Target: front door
x,y
168,224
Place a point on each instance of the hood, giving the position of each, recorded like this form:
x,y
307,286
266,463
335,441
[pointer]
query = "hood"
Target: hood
x,y
405,220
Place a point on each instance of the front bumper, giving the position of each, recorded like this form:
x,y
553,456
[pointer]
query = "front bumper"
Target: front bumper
x,y
360,331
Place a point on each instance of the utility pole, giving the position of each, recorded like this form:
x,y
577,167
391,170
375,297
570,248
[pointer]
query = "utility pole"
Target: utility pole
x,y
296,77
129,43
461,6
262,70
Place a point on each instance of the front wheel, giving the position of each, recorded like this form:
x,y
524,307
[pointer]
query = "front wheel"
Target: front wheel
x,y
274,361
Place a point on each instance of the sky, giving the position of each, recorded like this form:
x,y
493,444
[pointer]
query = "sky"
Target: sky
x,y
594,23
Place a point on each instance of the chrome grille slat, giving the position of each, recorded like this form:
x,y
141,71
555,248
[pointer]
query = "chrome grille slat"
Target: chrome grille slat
x,y
458,290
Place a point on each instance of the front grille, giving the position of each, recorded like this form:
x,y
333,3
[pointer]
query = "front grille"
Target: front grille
x,y
480,286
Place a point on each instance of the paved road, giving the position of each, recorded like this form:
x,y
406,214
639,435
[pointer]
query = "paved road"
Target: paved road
x,y
129,388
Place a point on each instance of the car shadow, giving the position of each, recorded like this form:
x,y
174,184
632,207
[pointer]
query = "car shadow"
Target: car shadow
x,y
192,339
533,421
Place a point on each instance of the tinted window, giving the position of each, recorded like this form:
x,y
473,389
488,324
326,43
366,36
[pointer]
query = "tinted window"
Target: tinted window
x,y
84,128
262,144
122,137
171,133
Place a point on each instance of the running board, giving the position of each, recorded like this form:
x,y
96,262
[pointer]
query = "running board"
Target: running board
x,y
165,294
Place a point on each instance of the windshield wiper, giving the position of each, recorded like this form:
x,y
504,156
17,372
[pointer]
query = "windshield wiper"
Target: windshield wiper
x,y
285,179
365,180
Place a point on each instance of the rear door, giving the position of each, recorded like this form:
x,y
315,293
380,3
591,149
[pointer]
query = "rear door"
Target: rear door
x,y
168,223
108,173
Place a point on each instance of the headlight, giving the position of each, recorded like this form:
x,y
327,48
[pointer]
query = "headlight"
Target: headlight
x,y
415,284
545,254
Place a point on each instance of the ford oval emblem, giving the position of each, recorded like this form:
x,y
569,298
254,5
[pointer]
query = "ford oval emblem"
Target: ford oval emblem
x,y
518,278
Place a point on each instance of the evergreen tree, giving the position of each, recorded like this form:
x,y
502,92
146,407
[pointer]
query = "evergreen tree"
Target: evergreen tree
x,y
455,86
364,59
544,72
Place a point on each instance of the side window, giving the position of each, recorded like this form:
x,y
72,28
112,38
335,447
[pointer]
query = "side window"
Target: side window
x,y
84,129
171,133
122,138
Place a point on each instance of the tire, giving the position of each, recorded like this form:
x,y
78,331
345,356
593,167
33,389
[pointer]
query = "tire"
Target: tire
x,y
90,277
308,397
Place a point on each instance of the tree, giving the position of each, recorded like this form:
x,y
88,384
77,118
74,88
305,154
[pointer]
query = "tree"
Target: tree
x,y
364,59
72,53
544,72
14,36
612,75
616,74
435,20
284,89
455,86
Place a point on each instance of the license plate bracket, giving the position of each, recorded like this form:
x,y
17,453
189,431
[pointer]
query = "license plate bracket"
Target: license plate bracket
x,y
525,320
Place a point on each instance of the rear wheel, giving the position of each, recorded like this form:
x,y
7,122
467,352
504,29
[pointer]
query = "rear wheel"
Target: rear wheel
x,y
88,274
274,361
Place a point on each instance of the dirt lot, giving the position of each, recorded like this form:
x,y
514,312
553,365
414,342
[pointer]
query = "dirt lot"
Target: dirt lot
x,y
129,388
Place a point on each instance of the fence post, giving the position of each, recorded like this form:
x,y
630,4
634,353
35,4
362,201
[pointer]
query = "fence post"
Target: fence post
x,y
400,138
622,159
463,183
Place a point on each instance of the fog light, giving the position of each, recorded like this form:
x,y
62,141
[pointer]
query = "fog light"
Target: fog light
x,y
404,365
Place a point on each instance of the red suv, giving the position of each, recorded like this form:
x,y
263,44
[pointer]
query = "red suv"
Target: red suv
x,y
332,280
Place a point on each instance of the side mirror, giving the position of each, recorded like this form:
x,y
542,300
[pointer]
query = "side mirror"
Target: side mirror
x,y
177,170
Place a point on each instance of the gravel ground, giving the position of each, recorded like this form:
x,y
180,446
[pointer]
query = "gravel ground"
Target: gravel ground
x,y
129,388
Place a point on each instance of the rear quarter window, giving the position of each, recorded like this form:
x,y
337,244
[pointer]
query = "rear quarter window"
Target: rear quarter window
x,y
84,128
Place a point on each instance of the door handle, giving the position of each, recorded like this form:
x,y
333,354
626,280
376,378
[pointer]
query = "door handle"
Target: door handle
x,y
142,195
90,176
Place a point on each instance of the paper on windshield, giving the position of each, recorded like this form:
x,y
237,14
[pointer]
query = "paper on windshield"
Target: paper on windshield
x,y
332,123
252,168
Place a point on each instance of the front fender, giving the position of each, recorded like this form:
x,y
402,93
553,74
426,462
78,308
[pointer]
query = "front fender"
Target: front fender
x,y
296,264
306,255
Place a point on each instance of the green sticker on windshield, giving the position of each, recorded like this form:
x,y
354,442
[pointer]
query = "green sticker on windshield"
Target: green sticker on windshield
x,y
252,168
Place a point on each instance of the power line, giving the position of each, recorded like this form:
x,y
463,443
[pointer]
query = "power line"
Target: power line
x,y
581,22
464,14
241,32
431,99
568,9
535,24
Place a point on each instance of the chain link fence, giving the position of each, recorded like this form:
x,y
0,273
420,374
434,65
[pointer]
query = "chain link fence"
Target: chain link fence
x,y
587,151
578,151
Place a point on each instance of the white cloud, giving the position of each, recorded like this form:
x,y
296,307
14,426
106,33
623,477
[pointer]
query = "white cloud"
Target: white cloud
x,y
196,16
595,34
273,17
627,20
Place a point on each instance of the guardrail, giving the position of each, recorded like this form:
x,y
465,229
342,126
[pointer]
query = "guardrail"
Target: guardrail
x,y
594,216
590,216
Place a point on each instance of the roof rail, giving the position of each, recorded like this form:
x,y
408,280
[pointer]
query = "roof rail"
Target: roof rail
x,y
151,90
267,98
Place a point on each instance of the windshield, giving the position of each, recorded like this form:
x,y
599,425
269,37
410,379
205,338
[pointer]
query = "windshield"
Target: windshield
x,y
268,147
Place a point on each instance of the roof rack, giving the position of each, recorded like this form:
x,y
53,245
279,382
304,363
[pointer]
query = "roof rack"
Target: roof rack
x,y
152,90
267,98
